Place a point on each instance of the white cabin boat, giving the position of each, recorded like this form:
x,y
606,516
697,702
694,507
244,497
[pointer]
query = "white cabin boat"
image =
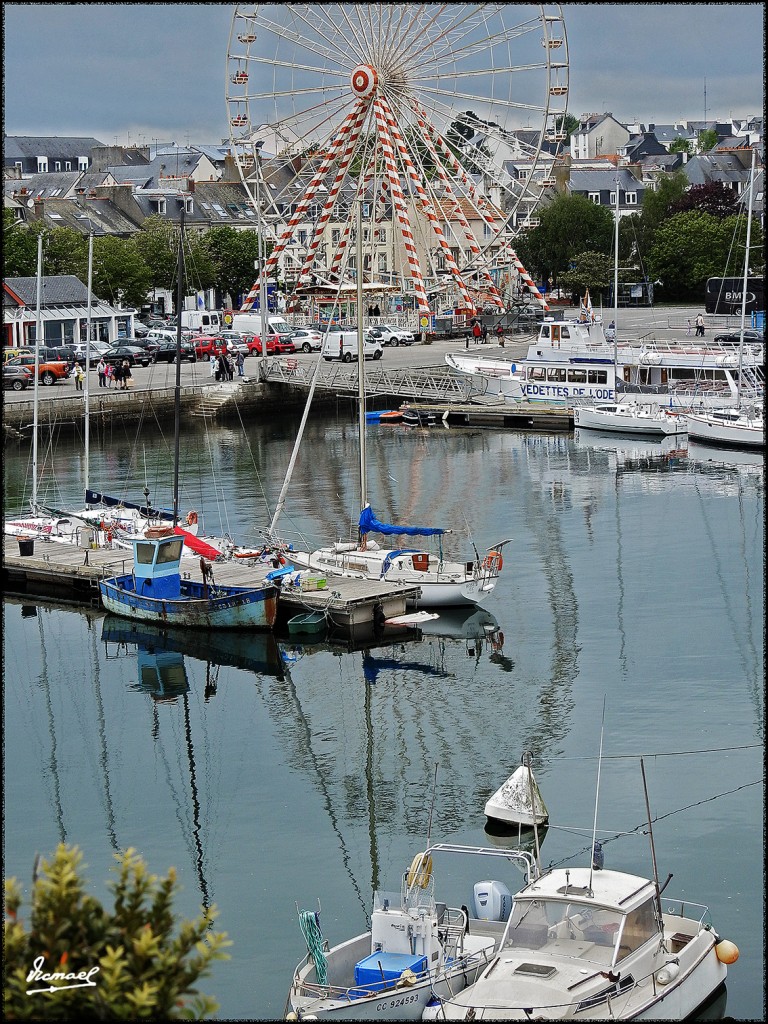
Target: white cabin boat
x,y
571,362
629,418
740,427
593,944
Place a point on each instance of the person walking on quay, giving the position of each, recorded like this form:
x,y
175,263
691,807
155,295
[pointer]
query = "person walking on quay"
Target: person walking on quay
x,y
213,364
79,377
485,334
476,332
240,364
689,327
117,375
101,369
221,367
700,326
230,364
127,375
500,335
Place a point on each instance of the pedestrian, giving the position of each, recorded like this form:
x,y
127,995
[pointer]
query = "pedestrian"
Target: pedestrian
x,y
127,376
240,364
221,370
79,377
485,334
117,375
500,335
213,363
101,369
230,367
376,310
466,339
700,326
476,332
689,327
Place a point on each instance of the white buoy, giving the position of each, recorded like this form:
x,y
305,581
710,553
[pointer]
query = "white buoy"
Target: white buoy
x,y
518,801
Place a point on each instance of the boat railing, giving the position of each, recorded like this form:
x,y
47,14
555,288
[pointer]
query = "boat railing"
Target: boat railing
x,y
694,912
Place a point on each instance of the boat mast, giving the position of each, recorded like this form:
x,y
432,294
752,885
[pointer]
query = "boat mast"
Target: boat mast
x,y
177,389
360,354
88,358
746,278
38,330
616,284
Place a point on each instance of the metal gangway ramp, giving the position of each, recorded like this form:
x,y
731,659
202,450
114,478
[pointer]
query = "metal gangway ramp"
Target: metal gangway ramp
x,y
426,383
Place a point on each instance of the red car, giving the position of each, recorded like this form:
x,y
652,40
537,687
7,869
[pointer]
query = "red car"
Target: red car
x,y
206,345
276,345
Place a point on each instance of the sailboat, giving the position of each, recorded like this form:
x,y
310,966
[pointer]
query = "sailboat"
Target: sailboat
x,y
155,591
443,583
739,426
625,416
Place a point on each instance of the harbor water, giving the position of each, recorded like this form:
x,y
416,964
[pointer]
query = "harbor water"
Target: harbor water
x,y
278,775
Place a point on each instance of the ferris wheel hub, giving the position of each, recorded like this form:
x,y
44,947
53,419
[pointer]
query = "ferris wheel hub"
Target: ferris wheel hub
x,y
364,81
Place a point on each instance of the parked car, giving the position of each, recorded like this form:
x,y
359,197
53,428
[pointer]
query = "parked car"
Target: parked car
x,y
165,352
134,355
393,336
751,337
76,353
50,371
307,339
276,345
16,377
140,330
206,345
11,353
234,342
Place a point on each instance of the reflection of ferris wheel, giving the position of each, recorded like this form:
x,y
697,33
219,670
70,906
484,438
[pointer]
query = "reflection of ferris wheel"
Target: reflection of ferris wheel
x,y
438,125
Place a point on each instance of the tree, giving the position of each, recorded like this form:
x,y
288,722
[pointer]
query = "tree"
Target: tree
x,y
138,961
680,145
567,124
119,271
657,202
158,244
65,251
234,256
706,140
588,270
19,248
711,197
569,225
691,247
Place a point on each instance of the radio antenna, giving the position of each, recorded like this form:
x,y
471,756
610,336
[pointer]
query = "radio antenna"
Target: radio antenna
x,y
597,794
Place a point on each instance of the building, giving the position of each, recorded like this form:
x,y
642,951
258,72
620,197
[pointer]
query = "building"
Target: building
x,y
63,311
598,134
35,154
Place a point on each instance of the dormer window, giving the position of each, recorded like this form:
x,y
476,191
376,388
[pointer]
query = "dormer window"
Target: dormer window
x,y
159,204
82,163
42,165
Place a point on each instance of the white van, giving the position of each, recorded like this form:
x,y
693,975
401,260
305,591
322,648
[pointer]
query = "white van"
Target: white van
x,y
343,345
250,323
206,321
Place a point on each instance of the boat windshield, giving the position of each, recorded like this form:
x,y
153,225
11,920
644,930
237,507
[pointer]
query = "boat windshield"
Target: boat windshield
x,y
535,924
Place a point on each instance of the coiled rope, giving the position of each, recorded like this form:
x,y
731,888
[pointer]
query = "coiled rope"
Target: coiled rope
x,y
310,928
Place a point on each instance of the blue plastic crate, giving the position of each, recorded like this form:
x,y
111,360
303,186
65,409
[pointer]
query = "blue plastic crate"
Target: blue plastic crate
x,y
369,973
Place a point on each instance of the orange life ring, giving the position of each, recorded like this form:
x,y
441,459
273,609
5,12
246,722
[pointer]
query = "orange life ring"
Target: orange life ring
x,y
191,518
493,560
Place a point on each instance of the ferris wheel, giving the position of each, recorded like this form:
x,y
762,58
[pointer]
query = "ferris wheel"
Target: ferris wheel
x,y
436,127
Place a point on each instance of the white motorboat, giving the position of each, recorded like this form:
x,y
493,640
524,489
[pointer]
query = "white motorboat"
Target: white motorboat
x,y
595,944
629,418
417,948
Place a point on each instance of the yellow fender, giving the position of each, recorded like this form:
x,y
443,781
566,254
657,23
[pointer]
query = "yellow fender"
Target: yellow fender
x,y
420,871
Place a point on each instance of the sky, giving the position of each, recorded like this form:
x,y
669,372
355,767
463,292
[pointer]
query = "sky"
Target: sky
x,y
135,73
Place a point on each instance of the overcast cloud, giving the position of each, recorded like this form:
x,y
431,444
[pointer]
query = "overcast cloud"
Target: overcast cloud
x,y
139,72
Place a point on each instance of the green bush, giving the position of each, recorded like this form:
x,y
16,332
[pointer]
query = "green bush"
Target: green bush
x,y
129,964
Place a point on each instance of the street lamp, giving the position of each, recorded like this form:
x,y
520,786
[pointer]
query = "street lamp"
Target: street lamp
x,y
262,253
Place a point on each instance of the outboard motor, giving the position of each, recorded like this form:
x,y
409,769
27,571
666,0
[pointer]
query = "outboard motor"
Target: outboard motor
x,y
493,901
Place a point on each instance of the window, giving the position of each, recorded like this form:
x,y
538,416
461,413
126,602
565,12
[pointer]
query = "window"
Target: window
x,y
612,198
170,552
577,376
335,236
42,164
556,373
597,376
537,373
67,165
366,210
630,198
594,197
82,163
57,165
382,263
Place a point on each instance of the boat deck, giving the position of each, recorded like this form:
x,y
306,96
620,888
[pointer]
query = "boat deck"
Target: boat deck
x,y
69,573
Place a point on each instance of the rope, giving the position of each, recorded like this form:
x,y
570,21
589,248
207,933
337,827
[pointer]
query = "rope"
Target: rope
x,y
310,928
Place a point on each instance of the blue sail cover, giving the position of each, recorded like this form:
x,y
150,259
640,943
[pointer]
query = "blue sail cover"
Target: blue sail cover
x,y
368,523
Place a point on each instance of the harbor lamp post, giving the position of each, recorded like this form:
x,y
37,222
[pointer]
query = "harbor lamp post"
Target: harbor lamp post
x,y
262,256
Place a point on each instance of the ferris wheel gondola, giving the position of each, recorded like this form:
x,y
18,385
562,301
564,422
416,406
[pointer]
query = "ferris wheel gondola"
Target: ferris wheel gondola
x,y
441,122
